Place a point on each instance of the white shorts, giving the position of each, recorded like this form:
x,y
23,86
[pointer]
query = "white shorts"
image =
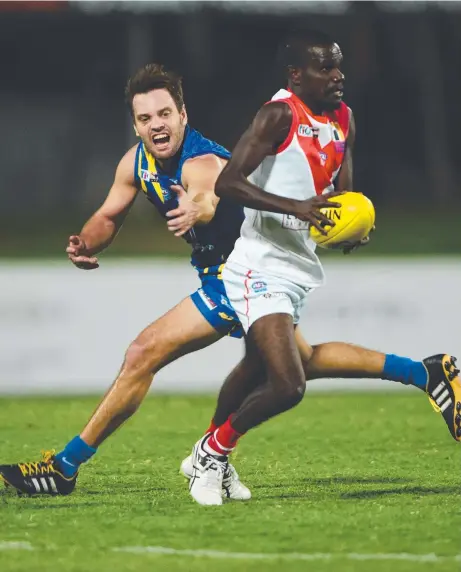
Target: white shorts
x,y
254,294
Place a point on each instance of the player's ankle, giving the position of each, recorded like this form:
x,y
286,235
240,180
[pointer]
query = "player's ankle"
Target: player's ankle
x,y
213,447
405,370
73,455
223,440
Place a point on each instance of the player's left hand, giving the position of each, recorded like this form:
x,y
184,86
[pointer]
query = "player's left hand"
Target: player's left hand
x,y
351,247
185,216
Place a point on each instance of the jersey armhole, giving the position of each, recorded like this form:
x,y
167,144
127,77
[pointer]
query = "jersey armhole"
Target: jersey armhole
x,y
136,173
224,154
294,121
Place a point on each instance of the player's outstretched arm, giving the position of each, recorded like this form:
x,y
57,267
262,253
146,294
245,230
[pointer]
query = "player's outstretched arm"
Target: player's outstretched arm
x,y
196,198
102,227
268,131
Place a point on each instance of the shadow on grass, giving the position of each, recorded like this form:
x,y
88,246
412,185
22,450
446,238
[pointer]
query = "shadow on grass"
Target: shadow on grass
x,y
354,480
329,485
335,481
50,505
366,494
419,491
329,482
81,498
123,490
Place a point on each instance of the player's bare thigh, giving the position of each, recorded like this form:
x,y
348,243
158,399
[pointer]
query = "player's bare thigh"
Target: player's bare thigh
x,y
305,351
270,340
180,331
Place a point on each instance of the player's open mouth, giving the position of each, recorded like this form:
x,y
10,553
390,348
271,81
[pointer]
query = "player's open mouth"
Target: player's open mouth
x,y
161,141
337,93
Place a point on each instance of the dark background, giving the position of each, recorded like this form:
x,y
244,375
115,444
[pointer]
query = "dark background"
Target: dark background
x,y
64,125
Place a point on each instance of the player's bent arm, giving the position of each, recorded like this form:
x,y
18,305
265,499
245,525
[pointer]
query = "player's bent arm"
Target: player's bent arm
x,y
102,227
344,181
199,177
268,131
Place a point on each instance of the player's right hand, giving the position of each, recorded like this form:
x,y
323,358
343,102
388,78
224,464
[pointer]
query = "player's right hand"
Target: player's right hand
x,y
309,210
77,253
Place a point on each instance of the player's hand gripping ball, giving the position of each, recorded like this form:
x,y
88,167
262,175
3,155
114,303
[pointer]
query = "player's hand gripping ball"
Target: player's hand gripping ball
x,y
354,220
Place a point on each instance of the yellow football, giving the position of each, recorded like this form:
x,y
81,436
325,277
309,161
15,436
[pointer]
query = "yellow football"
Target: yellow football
x,y
353,220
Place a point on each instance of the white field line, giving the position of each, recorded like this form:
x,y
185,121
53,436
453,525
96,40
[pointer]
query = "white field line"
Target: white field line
x,y
287,556
16,546
422,558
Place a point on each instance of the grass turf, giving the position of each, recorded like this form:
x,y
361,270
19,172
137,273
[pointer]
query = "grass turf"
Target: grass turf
x,y
342,473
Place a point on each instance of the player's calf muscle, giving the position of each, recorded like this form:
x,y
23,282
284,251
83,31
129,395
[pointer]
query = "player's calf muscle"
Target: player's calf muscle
x,y
339,359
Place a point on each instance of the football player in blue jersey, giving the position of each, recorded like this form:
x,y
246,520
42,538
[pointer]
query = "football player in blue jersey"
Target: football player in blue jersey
x,y
176,168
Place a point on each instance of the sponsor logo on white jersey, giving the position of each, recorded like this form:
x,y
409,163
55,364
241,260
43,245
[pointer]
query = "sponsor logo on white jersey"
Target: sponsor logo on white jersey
x,y
305,130
293,223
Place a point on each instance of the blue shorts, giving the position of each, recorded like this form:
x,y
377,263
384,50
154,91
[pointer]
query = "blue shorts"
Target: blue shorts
x,y
212,302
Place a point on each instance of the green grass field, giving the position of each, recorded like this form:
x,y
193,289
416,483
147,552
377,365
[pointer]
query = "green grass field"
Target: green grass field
x,y
350,476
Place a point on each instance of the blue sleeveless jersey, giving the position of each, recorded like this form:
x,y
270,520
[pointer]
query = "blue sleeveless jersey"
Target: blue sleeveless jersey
x,y
213,242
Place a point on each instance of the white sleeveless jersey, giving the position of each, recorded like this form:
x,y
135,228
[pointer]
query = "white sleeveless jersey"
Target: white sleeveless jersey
x,y
305,165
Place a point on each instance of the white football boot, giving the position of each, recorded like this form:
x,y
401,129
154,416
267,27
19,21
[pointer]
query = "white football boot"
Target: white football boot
x,y
232,487
206,483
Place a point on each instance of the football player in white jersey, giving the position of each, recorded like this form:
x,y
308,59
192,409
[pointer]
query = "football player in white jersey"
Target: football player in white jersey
x,y
276,176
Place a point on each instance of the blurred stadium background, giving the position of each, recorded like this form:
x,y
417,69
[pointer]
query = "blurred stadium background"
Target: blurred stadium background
x,y
65,126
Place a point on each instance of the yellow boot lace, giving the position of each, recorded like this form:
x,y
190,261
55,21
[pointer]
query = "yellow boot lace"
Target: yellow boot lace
x,y
42,467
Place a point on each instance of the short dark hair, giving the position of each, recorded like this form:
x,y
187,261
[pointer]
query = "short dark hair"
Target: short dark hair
x,y
294,48
154,76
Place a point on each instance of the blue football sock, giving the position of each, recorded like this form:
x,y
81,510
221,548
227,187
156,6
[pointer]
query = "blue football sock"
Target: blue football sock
x,y
405,370
74,454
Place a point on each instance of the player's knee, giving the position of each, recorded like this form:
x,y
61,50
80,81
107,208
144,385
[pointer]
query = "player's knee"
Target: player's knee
x,y
291,393
139,357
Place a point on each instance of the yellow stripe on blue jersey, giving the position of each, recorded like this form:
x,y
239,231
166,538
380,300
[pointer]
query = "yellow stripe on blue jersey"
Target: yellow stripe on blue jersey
x,y
143,182
215,270
153,170
147,173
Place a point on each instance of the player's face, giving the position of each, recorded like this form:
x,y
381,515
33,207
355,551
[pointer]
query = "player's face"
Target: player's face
x,y
322,81
159,123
